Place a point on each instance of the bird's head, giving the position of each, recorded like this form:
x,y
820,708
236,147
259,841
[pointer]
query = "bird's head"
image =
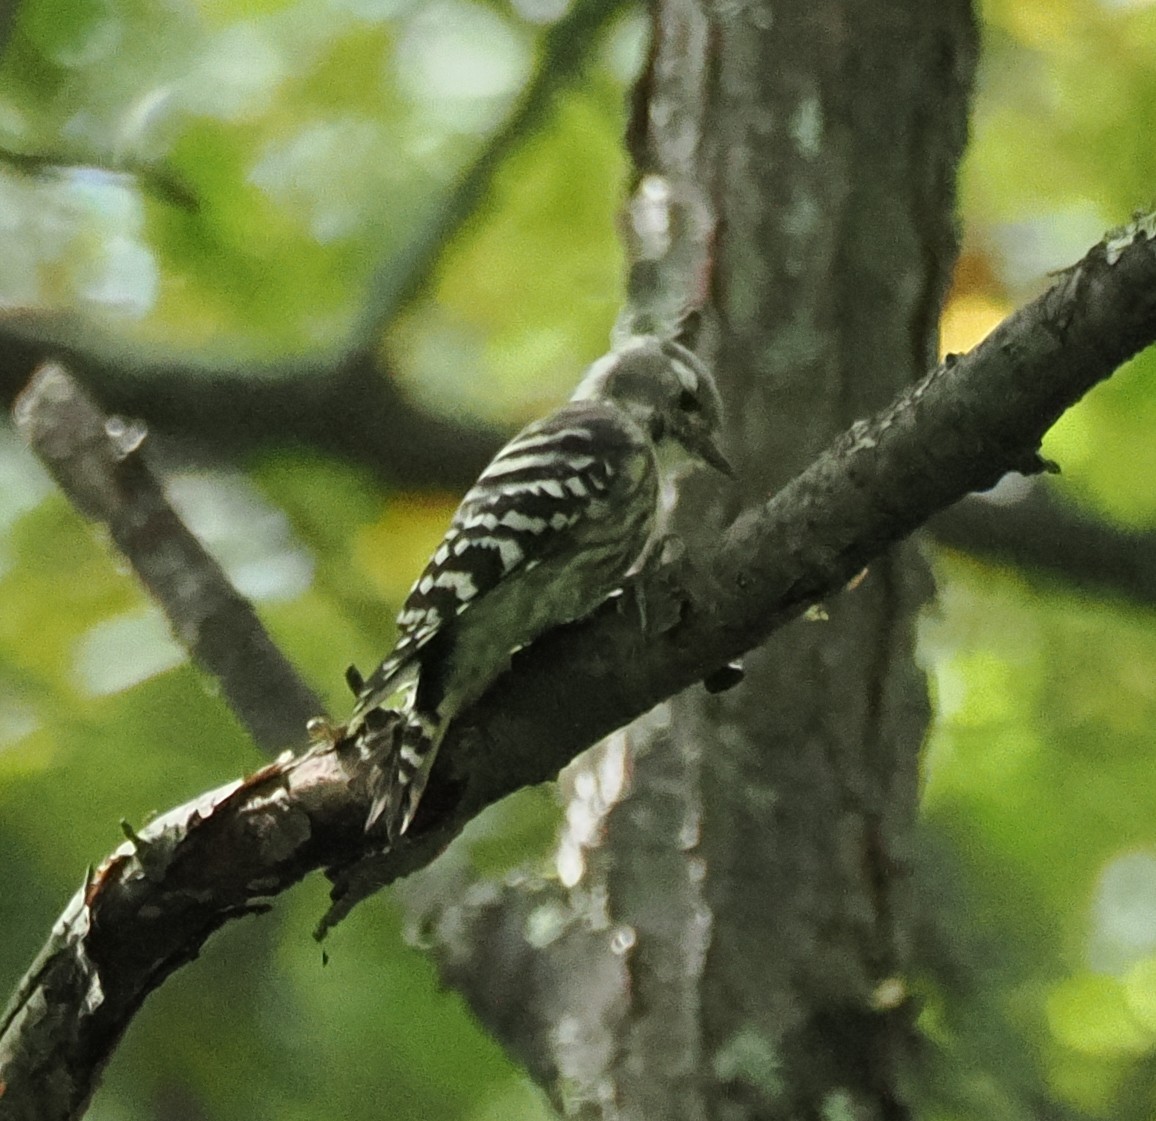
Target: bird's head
x,y
666,389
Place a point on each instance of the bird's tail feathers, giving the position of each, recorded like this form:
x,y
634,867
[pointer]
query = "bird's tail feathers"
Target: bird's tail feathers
x,y
392,686
400,754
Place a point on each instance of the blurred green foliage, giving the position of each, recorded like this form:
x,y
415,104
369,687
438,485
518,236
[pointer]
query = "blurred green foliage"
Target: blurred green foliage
x,y
310,145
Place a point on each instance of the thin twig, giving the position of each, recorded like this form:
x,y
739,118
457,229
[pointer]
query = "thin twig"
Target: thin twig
x,y
565,48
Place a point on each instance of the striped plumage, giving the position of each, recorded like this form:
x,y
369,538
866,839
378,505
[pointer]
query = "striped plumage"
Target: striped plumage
x,y
552,526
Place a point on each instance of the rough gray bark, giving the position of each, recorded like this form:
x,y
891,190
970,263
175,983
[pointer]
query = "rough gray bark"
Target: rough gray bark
x,y
747,911
839,138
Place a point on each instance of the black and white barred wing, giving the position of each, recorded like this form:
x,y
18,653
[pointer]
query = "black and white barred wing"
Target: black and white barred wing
x,y
551,524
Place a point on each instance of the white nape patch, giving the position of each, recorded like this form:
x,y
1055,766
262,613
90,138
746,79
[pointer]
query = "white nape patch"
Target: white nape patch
x,y
522,523
462,583
594,381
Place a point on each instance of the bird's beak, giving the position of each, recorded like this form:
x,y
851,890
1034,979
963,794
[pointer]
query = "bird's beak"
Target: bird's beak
x,y
704,446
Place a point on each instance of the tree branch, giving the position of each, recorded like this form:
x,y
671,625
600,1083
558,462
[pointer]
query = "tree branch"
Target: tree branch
x,y
349,408
1040,533
150,907
97,462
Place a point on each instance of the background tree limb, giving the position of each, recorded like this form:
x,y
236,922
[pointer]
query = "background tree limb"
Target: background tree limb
x,y
1039,533
344,404
98,463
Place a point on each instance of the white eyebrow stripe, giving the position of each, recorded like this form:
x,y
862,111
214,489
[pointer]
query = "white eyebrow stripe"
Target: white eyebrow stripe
x,y
593,381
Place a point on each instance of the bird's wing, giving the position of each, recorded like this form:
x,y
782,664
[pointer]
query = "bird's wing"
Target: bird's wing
x,y
537,496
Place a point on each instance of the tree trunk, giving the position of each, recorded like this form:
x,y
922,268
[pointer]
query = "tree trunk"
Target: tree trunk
x,y
735,946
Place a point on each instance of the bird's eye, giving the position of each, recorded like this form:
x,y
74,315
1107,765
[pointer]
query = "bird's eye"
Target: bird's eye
x,y
688,402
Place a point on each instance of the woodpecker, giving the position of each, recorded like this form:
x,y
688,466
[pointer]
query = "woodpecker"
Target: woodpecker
x,y
558,520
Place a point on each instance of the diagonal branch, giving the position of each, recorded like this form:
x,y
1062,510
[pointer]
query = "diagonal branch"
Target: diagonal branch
x,y
150,907
97,462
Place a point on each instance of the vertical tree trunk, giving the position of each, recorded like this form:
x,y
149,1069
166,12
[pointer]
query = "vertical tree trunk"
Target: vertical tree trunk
x,y
735,947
